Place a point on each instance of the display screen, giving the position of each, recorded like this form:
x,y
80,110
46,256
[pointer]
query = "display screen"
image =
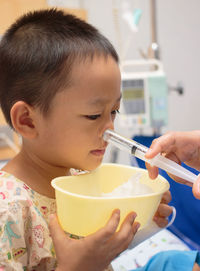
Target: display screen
x,y
133,96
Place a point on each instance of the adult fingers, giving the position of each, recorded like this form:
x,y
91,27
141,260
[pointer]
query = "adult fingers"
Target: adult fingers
x,y
172,156
180,180
196,188
152,171
161,144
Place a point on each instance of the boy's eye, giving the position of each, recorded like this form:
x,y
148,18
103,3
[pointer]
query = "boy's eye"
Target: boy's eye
x,y
93,117
114,112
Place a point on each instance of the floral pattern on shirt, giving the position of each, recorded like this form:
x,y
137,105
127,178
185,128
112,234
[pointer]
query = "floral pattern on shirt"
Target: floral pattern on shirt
x,y
25,243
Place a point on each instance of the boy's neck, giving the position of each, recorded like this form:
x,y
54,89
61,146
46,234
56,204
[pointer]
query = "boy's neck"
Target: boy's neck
x,y
34,173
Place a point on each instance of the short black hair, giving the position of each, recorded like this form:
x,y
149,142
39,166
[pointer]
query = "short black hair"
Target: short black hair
x,y
38,52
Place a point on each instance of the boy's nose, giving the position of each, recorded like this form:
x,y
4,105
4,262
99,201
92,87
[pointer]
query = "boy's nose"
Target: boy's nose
x,y
108,125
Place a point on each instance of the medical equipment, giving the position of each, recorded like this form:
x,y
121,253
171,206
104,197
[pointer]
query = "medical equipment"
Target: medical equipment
x,y
139,151
145,95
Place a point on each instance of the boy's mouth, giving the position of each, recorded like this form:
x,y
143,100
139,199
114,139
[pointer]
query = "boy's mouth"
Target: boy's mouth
x,y
98,152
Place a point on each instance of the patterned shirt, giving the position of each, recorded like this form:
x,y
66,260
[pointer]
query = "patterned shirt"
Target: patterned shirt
x,y
25,243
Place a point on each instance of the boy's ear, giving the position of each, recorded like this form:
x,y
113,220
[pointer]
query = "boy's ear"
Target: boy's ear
x,y
22,117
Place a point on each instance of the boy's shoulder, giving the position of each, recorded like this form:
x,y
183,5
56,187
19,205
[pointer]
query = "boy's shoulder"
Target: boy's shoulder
x,y
12,189
14,192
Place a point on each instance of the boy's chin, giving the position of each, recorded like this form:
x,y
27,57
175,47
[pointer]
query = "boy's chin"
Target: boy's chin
x,y
91,166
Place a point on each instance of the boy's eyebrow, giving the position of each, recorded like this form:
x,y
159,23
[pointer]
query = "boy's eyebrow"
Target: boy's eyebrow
x,y
102,101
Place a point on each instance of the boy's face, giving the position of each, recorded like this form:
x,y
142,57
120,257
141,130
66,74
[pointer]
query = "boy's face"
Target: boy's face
x,y
71,135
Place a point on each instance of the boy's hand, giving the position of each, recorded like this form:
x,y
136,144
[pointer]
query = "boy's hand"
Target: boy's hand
x,y
163,211
96,251
179,147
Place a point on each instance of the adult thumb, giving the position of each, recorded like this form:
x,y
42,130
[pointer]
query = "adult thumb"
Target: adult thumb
x,y
196,188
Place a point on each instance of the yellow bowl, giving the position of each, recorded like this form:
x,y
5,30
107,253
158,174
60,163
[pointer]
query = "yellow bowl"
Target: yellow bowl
x,y
81,211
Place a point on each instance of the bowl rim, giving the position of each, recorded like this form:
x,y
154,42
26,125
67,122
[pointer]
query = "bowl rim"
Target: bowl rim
x,y
53,184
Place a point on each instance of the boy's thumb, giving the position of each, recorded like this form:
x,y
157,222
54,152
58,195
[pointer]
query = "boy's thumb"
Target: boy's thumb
x,y
55,229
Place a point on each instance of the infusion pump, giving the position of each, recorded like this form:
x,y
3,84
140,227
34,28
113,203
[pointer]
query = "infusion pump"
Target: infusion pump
x,y
145,94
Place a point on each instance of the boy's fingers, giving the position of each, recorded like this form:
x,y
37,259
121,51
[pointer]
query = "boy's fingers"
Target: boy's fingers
x,y
164,210
125,241
126,232
161,221
167,197
110,228
128,227
128,221
161,215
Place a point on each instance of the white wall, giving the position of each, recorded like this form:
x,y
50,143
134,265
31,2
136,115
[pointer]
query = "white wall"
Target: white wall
x,y
179,39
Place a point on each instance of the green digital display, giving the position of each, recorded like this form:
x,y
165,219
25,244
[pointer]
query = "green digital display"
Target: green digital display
x,y
133,94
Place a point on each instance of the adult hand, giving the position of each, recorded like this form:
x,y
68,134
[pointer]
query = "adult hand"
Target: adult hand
x,y
179,147
96,251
